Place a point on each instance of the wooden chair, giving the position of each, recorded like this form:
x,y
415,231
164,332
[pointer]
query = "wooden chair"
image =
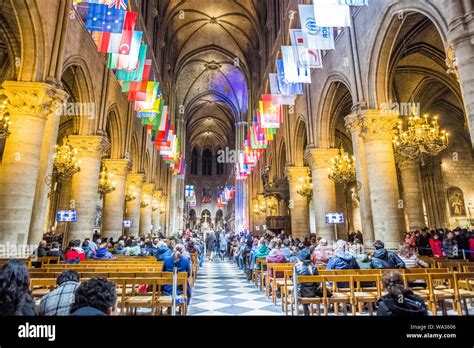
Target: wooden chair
x,y
166,301
131,299
286,291
424,290
310,301
463,290
442,288
341,295
272,283
365,292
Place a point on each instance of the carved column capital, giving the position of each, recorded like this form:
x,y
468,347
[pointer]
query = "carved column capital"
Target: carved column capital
x,y
295,173
135,180
376,126
148,189
119,167
406,163
158,194
35,99
320,158
353,123
90,145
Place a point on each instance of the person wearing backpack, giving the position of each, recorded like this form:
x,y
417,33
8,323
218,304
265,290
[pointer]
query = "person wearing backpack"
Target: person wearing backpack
x,y
399,301
384,259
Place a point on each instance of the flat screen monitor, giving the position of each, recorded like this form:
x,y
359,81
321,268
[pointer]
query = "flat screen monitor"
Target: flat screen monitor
x,y
67,216
127,223
335,218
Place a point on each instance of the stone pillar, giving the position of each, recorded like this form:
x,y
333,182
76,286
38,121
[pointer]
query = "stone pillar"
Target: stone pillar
x,y
241,193
31,104
114,202
132,208
40,211
145,209
299,212
377,132
412,193
156,210
91,150
173,206
353,125
324,190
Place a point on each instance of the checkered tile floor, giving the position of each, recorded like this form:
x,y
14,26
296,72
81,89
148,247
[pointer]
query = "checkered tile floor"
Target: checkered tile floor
x,y
222,289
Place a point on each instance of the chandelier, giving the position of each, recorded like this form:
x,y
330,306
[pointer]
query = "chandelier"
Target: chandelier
x,y
305,188
260,205
4,120
421,138
342,170
66,163
106,182
271,203
130,194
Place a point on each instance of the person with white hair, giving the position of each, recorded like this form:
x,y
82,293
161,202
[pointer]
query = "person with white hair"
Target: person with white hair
x,y
322,253
342,259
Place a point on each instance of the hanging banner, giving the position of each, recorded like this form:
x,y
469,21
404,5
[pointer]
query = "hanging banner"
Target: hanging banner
x,y
294,74
306,58
315,36
329,13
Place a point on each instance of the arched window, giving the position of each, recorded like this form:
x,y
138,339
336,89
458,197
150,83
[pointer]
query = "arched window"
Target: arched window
x,y
207,162
219,165
194,162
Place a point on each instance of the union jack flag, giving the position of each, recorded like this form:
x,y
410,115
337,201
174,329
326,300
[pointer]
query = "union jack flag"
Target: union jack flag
x,y
117,4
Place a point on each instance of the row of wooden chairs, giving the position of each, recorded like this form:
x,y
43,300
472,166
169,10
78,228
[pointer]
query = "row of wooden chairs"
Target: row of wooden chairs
x,y
359,289
128,290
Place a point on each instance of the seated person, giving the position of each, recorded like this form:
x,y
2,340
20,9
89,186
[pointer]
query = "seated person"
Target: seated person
x,y
321,253
342,259
410,257
183,264
275,256
305,267
134,250
56,251
95,297
15,295
164,250
59,301
103,252
119,248
75,253
384,259
399,301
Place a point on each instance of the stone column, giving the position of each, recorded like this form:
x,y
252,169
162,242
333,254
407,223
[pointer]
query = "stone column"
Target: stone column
x,y
412,193
132,208
324,190
299,211
114,202
31,104
145,209
91,150
156,210
377,132
40,211
353,125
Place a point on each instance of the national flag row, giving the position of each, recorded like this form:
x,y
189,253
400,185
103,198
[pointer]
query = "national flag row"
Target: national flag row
x,y
293,70
225,196
114,31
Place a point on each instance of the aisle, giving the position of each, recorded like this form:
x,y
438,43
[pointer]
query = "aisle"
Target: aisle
x,y
222,289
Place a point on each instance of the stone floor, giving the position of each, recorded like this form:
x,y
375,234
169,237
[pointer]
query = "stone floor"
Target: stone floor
x,y
222,289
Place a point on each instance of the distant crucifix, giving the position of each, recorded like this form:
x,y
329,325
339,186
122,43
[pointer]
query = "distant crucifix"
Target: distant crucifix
x,y
206,216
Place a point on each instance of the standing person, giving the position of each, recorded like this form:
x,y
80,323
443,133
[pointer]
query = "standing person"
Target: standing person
x,y
423,244
436,245
222,246
399,301
359,236
15,295
216,248
59,301
56,251
450,246
210,241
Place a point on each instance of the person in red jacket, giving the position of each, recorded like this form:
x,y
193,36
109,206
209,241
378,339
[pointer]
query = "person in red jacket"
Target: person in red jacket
x,y
75,253
436,245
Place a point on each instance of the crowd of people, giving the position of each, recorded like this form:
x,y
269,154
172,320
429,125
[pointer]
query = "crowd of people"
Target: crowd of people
x,y
98,296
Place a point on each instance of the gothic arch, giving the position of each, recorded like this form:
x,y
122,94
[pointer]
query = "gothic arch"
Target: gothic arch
x,y
390,27
300,141
115,132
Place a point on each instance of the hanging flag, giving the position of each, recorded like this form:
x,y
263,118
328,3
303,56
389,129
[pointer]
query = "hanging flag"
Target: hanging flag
x,y
117,4
102,18
131,62
354,2
315,37
294,74
329,13
285,87
271,111
306,58
287,99
135,75
127,33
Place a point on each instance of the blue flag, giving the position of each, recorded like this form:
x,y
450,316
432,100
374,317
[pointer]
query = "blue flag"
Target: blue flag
x,y
287,88
104,19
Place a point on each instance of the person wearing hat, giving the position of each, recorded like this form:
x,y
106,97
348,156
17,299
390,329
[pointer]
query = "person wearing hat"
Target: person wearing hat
x,y
342,259
304,267
384,259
